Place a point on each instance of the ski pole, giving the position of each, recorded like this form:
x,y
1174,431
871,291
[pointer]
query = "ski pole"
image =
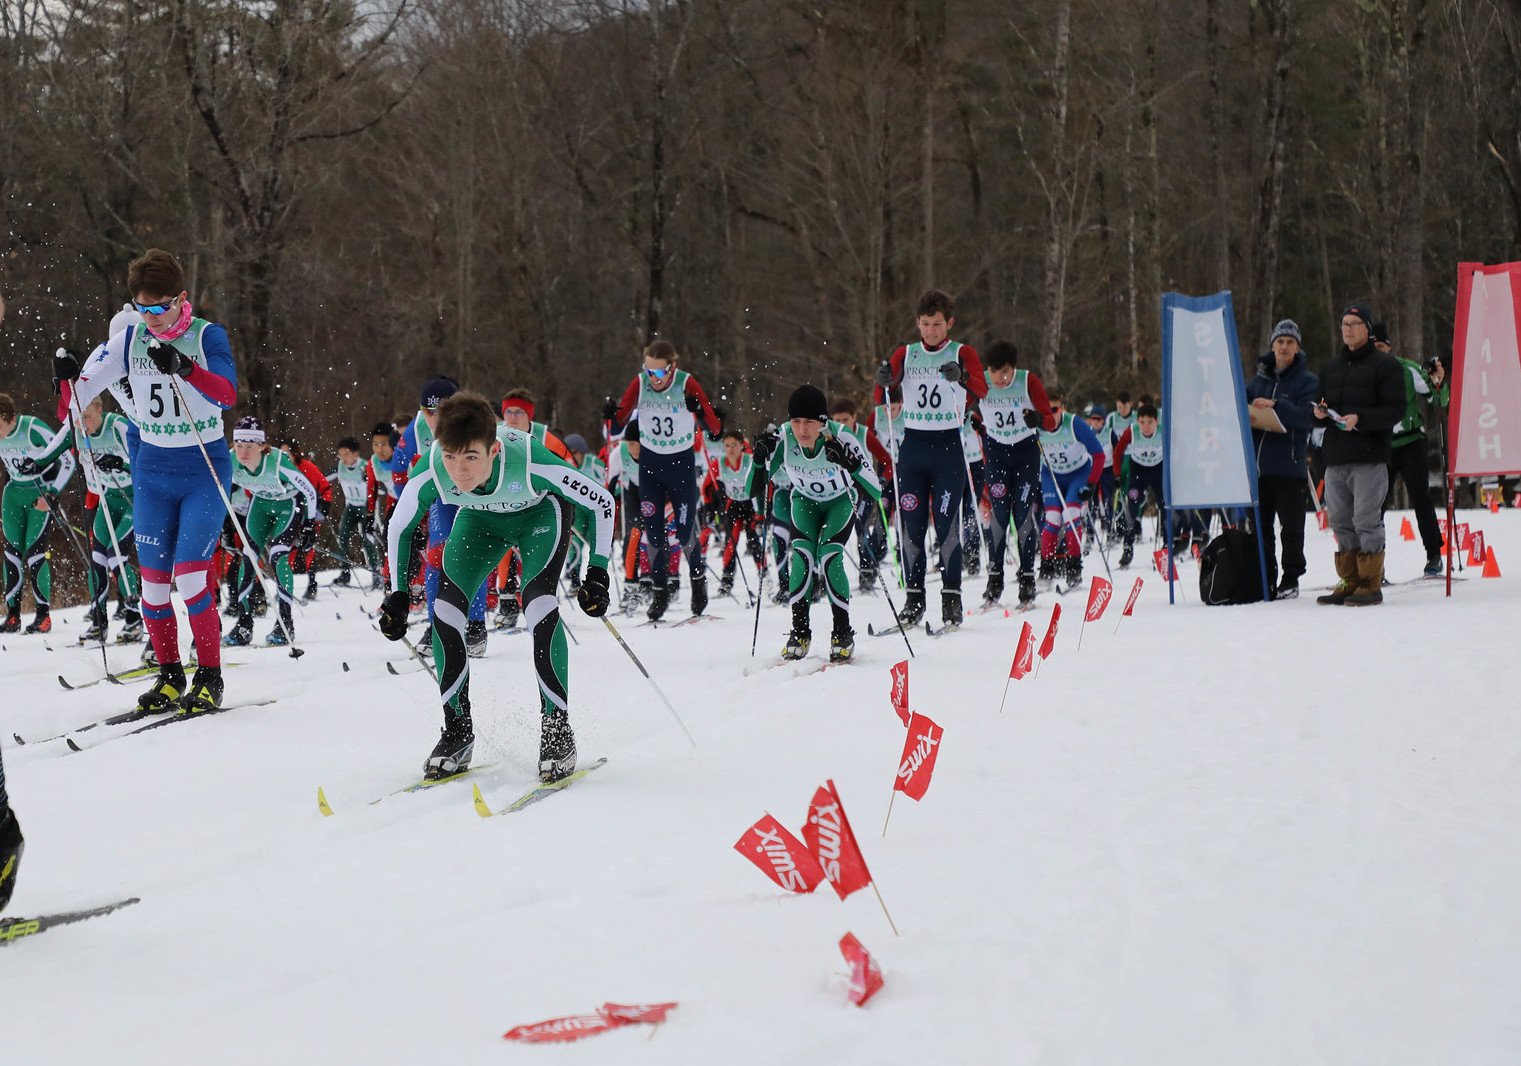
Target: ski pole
x,y
1103,552
77,417
653,684
248,552
896,619
760,593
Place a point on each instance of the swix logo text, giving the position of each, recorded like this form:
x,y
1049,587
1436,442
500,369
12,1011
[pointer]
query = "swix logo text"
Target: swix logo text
x,y
775,849
917,757
1101,599
828,821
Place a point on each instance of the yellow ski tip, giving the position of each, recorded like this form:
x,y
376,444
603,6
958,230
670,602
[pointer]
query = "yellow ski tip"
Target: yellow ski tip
x,y
327,812
480,802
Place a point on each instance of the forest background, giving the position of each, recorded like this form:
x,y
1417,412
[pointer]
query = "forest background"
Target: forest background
x,y
524,192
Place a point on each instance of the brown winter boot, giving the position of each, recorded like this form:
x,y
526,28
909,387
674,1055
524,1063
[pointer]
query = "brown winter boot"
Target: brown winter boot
x,y
1370,572
1346,569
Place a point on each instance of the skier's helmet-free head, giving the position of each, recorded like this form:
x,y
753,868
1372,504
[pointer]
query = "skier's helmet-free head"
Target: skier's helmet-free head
x,y
436,391
807,401
576,443
249,430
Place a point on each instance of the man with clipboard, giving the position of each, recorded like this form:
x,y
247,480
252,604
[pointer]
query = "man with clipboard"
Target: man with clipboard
x,y
1279,401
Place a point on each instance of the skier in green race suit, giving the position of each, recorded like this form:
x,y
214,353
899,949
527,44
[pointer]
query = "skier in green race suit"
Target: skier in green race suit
x,y
26,502
826,465
512,492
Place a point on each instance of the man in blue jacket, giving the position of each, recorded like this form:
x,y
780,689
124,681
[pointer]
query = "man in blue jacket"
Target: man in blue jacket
x,y
1284,386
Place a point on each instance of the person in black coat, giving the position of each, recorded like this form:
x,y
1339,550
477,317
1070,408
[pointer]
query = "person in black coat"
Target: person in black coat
x,y
1283,385
1362,399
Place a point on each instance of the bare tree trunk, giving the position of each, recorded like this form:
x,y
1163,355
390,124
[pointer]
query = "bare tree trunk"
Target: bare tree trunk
x,y
1153,211
1059,217
1409,234
1221,237
1270,193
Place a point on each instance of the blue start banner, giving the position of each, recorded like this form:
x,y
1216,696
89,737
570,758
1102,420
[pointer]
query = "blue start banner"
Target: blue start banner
x,y
1206,435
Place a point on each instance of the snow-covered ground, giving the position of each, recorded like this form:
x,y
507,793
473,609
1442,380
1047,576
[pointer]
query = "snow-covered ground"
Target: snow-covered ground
x,y
1268,834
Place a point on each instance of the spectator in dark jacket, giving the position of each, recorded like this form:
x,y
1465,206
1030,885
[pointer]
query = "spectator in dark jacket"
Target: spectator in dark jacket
x,y
1362,398
1285,386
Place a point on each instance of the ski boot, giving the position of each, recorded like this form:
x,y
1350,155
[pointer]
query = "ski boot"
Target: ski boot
x,y
96,634
150,657
11,846
797,644
279,637
1047,573
726,584
311,588
1074,571
121,609
259,600
699,594
994,588
205,692
132,632
913,608
165,692
12,623
475,638
868,578
241,635
950,608
1127,556
658,603
842,642
456,742
507,610
43,623
1433,566
233,608
1026,588
557,747
344,578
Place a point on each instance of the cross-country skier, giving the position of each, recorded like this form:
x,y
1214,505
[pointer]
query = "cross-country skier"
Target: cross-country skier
x,y
180,378
512,493
11,843
284,502
1138,456
668,403
1072,461
826,465
27,505
354,480
940,379
108,477
737,519
871,533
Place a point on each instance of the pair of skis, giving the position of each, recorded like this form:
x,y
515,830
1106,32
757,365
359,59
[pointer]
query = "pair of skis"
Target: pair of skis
x,y
538,792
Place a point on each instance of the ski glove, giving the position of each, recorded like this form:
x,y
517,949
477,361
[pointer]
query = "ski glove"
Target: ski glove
x,y
66,366
111,464
885,375
841,455
168,359
1032,418
951,370
694,404
592,595
393,615
1085,494
764,447
609,409
28,467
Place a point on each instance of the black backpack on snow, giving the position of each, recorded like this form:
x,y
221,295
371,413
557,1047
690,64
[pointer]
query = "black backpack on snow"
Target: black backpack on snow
x,y
1228,569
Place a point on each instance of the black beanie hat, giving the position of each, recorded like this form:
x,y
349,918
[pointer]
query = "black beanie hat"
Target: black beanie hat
x,y
808,402
436,391
1362,311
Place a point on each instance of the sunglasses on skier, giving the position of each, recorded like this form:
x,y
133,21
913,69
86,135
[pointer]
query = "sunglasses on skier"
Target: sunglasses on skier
x,y
657,372
155,309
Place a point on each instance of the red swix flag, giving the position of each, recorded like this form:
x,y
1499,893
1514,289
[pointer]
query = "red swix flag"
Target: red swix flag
x,y
1463,535
865,974
635,1013
1024,655
1049,643
1476,548
900,689
1160,558
919,754
562,1030
780,855
833,843
1098,598
1135,592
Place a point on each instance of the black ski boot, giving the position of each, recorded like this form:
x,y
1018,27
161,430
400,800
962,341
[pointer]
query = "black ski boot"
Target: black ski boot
x,y
557,747
913,608
993,591
311,588
258,600
950,608
658,603
97,631
699,593
11,846
1074,571
507,610
344,578
842,641
43,623
12,623
726,583
165,692
241,635
801,636
132,631
475,639
1048,571
868,578
205,692
456,742
1127,556
1026,588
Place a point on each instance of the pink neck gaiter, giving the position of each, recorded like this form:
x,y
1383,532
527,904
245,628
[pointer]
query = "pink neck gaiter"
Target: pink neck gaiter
x,y
181,324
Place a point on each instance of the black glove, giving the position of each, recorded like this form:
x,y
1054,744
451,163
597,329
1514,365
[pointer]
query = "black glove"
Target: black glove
x,y
308,536
885,375
609,409
840,455
393,615
722,412
764,448
693,404
1085,494
1032,418
168,359
111,464
66,366
593,596
951,371
28,467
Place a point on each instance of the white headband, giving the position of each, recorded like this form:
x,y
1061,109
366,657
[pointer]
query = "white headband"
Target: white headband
x,y
248,436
